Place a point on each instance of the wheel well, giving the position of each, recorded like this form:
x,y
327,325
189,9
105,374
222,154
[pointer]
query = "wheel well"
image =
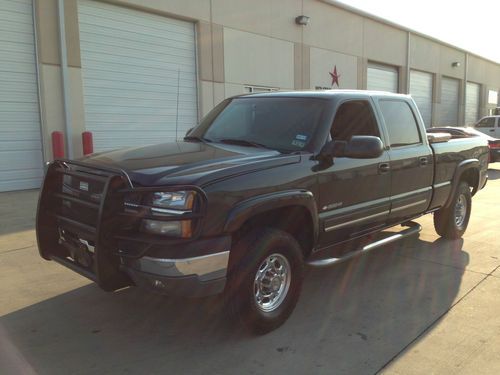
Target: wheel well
x,y
471,176
295,220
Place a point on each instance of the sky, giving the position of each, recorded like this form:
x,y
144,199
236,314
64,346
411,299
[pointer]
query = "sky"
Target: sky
x,y
471,25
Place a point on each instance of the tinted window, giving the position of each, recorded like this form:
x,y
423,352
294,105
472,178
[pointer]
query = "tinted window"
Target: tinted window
x,y
354,118
488,122
400,122
284,124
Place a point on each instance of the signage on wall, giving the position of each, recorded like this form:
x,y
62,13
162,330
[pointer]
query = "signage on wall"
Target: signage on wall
x,y
335,80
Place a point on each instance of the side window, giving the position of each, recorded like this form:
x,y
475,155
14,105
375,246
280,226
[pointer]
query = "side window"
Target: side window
x,y
354,118
488,122
400,121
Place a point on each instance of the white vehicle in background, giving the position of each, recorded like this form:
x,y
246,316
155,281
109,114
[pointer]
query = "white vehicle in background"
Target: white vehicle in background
x,y
489,125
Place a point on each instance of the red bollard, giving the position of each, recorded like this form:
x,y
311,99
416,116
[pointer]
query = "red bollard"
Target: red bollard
x,y
57,145
88,143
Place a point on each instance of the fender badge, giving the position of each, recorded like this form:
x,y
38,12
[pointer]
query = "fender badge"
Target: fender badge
x,y
333,206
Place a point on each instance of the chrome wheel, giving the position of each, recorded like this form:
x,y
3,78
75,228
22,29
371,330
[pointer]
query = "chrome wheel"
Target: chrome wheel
x,y
460,210
272,282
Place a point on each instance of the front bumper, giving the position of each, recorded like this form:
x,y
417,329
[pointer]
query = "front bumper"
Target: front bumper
x,y
188,277
83,225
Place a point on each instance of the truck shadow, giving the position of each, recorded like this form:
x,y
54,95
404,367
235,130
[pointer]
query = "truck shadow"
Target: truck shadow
x,y
350,319
494,174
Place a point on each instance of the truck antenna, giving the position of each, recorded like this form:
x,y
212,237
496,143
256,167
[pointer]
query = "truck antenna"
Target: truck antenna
x,y
177,104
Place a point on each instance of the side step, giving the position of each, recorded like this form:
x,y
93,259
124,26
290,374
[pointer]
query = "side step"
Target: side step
x,y
414,228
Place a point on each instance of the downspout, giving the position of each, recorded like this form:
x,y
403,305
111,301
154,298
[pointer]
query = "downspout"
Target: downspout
x,y
465,86
65,80
43,139
408,63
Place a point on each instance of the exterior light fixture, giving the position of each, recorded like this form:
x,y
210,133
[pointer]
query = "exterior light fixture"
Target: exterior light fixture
x,y
455,64
302,20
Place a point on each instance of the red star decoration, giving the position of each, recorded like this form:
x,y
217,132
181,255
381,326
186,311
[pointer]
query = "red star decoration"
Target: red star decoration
x,y
335,76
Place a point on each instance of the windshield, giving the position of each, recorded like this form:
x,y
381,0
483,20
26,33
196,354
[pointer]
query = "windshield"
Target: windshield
x,y
283,124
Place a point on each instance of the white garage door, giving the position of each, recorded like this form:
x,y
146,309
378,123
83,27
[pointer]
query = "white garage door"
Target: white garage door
x,y
139,75
448,113
472,103
20,144
421,91
382,78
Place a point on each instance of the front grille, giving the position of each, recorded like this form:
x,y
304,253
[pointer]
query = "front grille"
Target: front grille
x,y
78,209
89,219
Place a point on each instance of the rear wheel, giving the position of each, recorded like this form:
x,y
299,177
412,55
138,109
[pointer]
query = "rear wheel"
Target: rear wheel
x,y
451,222
264,282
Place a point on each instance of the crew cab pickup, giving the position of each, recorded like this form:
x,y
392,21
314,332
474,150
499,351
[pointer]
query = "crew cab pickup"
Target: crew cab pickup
x,y
265,185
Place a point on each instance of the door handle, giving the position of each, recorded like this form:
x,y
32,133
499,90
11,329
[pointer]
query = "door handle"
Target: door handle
x,y
423,161
384,167
492,130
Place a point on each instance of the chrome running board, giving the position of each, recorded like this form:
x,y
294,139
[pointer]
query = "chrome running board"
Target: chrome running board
x,y
414,228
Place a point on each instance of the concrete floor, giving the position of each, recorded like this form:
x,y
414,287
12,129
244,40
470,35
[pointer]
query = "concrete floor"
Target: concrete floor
x,y
417,307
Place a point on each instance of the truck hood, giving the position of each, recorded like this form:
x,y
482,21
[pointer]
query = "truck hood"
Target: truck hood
x,y
186,163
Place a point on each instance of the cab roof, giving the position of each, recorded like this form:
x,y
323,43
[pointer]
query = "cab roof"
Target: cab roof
x,y
325,94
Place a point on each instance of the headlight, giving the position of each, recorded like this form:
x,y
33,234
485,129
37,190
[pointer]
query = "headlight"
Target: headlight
x,y
178,200
168,228
169,204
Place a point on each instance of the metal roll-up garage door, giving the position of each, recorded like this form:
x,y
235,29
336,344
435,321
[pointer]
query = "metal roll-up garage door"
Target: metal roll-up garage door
x,y
421,91
472,103
21,160
382,78
448,113
139,75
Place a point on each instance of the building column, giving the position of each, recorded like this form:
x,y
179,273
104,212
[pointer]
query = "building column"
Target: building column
x,y
49,64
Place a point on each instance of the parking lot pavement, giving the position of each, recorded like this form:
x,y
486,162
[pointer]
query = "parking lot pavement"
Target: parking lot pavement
x,y
421,306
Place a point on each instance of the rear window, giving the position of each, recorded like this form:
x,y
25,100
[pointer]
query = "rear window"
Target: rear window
x,y
400,123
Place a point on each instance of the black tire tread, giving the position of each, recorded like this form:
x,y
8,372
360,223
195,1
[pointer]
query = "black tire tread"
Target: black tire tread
x,y
444,221
250,250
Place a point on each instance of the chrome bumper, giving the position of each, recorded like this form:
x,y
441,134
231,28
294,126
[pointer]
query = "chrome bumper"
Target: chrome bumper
x,y
206,268
189,277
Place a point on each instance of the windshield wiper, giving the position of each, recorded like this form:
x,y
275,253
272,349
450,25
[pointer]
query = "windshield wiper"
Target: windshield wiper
x,y
243,142
196,138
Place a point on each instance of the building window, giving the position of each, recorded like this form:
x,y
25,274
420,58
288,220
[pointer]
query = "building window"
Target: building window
x,y
255,89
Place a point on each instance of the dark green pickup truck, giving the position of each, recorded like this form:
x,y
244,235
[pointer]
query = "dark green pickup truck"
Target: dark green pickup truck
x,y
265,185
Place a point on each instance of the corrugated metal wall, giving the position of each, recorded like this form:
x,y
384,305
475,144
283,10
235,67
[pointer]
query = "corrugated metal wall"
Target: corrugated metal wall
x,y
472,103
382,78
20,140
448,113
421,91
139,75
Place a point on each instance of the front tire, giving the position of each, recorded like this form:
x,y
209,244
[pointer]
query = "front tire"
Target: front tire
x,y
265,279
451,222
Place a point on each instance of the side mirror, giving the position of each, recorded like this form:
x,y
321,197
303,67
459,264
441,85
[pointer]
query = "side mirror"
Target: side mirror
x,y
359,147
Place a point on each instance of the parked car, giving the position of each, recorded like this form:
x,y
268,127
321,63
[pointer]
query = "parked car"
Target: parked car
x,y
264,185
489,125
457,132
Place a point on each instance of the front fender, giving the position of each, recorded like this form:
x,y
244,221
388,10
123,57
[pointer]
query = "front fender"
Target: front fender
x,y
244,210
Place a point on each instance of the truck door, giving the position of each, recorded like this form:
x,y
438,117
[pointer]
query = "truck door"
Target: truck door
x,y
411,159
487,126
354,193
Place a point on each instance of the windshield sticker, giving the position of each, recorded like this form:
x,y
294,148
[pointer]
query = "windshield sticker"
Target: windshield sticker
x,y
301,137
298,143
